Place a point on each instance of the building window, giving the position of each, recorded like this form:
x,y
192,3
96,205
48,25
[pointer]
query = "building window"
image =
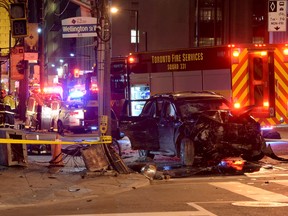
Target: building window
x,y
133,36
208,14
205,41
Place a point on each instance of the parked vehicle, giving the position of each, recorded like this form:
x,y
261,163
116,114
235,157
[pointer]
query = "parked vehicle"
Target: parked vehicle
x,y
76,117
194,126
71,117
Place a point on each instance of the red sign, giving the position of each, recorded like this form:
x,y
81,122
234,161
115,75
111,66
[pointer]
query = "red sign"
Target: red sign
x,y
17,55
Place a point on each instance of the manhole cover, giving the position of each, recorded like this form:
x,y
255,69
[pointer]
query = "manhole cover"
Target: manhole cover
x,y
260,204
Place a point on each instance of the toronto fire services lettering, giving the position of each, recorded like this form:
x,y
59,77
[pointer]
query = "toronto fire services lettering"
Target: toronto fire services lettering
x,y
177,61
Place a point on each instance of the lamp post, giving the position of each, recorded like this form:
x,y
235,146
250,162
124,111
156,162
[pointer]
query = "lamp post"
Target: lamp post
x,y
136,29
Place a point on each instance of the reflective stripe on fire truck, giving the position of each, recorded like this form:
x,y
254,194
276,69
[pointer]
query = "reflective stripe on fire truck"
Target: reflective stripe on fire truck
x,y
240,85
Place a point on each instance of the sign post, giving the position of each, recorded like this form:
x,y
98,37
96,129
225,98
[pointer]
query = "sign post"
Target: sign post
x,y
276,16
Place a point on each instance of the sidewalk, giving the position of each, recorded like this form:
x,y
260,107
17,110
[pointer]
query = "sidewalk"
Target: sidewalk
x,y
38,184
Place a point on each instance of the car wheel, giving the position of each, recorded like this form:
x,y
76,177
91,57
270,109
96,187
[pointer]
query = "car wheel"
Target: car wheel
x,y
145,153
187,152
259,155
60,127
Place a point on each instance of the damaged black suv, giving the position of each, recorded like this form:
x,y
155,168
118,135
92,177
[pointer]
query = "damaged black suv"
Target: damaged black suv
x,y
194,126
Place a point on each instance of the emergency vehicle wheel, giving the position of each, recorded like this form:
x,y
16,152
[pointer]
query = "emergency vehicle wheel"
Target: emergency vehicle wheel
x,y
187,152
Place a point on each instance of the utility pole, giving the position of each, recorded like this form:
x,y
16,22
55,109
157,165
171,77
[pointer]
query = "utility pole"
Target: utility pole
x,y
100,10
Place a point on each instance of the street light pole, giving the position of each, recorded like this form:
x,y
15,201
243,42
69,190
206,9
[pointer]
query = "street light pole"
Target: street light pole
x,y
136,14
136,29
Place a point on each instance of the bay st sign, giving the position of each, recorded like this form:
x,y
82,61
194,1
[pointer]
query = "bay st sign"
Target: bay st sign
x,y
79,27
276,16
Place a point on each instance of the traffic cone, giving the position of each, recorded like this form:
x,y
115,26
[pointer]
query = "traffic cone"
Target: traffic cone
x,y
57,159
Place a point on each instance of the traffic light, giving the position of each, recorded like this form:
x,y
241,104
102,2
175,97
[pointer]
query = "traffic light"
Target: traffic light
x,y
76,73
18,20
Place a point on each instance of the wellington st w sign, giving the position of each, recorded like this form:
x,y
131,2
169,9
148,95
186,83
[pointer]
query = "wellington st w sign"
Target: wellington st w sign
x,y
79,27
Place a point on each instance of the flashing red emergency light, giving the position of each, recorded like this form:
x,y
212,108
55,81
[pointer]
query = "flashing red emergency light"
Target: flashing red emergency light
x,y
53,89
260,45
266,104
131,59
236,53
237,105
76,73
94,87
285,51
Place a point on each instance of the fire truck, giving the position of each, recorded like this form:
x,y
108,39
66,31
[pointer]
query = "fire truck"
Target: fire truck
x,y
248,75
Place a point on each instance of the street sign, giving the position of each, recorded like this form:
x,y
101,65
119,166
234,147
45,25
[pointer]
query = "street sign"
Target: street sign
x,y
79,27
16,56
276,16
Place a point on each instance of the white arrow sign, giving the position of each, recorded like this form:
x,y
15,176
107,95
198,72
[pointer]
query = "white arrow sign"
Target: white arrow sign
x,y
276,16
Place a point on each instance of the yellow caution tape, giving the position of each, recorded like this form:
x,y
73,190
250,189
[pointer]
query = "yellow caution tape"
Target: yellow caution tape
x,y
102,140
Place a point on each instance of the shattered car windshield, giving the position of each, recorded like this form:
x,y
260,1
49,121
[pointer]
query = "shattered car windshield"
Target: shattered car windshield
x,y
188,107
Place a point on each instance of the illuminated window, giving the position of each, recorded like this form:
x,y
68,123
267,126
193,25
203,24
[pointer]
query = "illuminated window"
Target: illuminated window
x,y
208,14
205,41
133,36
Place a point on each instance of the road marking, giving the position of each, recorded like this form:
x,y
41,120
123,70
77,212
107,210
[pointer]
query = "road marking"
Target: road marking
x,y
251,192
282,182
201,212
268,172
257,175
178,213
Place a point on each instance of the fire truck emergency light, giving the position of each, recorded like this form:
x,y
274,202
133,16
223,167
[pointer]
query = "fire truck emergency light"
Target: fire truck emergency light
x,y
132,60
235,56
236,53
285,51
285,54
266,104
237,105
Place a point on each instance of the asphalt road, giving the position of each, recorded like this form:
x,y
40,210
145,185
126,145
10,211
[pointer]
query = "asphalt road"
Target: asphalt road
x,y
256,193
236,188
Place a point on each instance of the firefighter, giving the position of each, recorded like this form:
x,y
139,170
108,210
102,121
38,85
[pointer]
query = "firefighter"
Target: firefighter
x,y
2,108
33,101
9,106
55,110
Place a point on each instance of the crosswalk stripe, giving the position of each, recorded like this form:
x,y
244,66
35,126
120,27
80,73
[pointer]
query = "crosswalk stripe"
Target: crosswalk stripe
x,y
199,212
282,182
178,213
252,192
